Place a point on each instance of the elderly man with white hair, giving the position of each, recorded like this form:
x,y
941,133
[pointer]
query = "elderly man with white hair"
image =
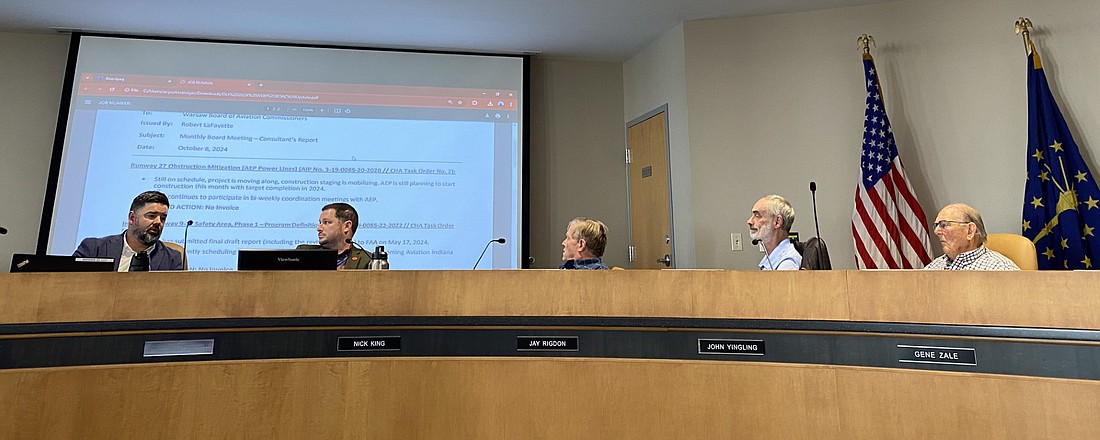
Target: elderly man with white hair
x,y
962,234
769,225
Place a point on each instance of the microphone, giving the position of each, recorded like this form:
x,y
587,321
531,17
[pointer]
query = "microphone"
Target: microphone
x,y
185,228
369,253
757,242
348,241
813,195
497,240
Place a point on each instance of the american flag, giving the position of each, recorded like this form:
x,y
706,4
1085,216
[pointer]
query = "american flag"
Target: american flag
x,y
888,224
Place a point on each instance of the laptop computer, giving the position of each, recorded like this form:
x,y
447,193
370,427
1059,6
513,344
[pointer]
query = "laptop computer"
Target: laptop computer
x,y
286,259
60,263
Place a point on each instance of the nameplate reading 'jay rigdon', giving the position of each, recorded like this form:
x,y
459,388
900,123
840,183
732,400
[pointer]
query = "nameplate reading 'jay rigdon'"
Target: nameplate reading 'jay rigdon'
x,y
547,343
743,347
368,343
923,354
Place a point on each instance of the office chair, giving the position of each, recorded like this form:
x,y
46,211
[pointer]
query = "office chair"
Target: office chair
x,y
1016,247
815,254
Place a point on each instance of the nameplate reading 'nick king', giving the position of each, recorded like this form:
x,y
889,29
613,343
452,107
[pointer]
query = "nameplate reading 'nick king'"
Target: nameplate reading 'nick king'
x,y
368,343
743,347
547,343
923,354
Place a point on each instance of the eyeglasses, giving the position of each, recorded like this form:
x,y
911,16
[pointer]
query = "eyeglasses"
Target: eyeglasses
x,y
942,224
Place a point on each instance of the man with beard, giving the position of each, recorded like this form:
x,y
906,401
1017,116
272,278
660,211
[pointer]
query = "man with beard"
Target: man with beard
x,y
770,223
138,248
335,228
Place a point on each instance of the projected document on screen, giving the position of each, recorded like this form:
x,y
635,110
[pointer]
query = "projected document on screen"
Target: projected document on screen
x,y
432,170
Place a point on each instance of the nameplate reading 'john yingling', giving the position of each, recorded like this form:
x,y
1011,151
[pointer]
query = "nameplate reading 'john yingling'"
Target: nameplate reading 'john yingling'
x,y
547,343
744,347
368,343
923,354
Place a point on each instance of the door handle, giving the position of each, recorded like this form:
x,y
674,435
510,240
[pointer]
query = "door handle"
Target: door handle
x,y
666,260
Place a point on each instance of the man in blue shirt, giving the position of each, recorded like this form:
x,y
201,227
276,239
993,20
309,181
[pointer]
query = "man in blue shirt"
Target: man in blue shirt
x,y
769,225
585,240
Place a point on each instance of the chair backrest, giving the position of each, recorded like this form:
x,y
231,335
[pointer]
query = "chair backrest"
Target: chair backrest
x,y
1016,247
179,249
815,254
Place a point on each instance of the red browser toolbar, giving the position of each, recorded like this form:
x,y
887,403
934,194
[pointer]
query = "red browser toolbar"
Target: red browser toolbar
x,y
175,87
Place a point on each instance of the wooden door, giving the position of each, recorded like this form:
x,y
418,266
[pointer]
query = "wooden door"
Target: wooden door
x,y
650,196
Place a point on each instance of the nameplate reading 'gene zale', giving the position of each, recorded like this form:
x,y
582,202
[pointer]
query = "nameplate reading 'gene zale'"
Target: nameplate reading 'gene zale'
x,y
368,343
743,347
547,343
923,354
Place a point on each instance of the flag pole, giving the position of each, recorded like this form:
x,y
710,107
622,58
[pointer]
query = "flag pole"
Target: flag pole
x,y
1023,27
865,42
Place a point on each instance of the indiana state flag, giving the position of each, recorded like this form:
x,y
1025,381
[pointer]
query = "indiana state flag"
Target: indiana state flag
x,y
1061,199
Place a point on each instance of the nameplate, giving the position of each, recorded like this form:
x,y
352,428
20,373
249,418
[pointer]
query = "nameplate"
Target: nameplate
x,y
190,347
923,354
742,347
547,343
368,343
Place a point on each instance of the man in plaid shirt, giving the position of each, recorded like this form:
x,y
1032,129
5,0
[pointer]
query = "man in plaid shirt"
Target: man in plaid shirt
x,y
962,233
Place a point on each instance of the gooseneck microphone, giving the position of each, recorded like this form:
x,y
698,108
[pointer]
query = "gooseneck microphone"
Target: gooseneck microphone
x,y
349,241
813,196
185,228
757,242
369,253
496,240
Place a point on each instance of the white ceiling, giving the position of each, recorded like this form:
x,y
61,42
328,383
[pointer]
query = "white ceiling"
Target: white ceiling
x,y
612,30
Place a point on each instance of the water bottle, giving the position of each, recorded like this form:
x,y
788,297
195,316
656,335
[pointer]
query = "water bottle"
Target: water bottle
x,y
381,259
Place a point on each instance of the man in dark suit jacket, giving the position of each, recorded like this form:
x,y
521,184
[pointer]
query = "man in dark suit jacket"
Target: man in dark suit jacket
x,y
335,229
138,248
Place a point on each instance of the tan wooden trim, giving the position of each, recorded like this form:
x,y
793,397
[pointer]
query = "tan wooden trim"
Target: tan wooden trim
x,y
441,398
1027,298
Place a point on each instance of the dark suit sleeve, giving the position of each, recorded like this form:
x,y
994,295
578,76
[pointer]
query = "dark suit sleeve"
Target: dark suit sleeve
x,y
176,259
87,248
101,247
166,258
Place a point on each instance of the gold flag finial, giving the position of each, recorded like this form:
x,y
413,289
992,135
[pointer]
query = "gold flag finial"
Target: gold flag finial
x,y
865,42
1023,27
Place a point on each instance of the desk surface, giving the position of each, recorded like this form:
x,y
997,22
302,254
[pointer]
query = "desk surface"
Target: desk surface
x,y
1066,300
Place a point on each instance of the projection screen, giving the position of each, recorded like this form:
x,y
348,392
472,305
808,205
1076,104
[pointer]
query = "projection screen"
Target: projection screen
x,y
249,141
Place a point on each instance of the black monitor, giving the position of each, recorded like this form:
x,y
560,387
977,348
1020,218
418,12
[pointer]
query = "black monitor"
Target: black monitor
x,y
286,259
60,263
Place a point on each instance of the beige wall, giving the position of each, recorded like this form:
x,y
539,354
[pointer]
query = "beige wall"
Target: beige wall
x,y
32,68
656,78
577,155
778,101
